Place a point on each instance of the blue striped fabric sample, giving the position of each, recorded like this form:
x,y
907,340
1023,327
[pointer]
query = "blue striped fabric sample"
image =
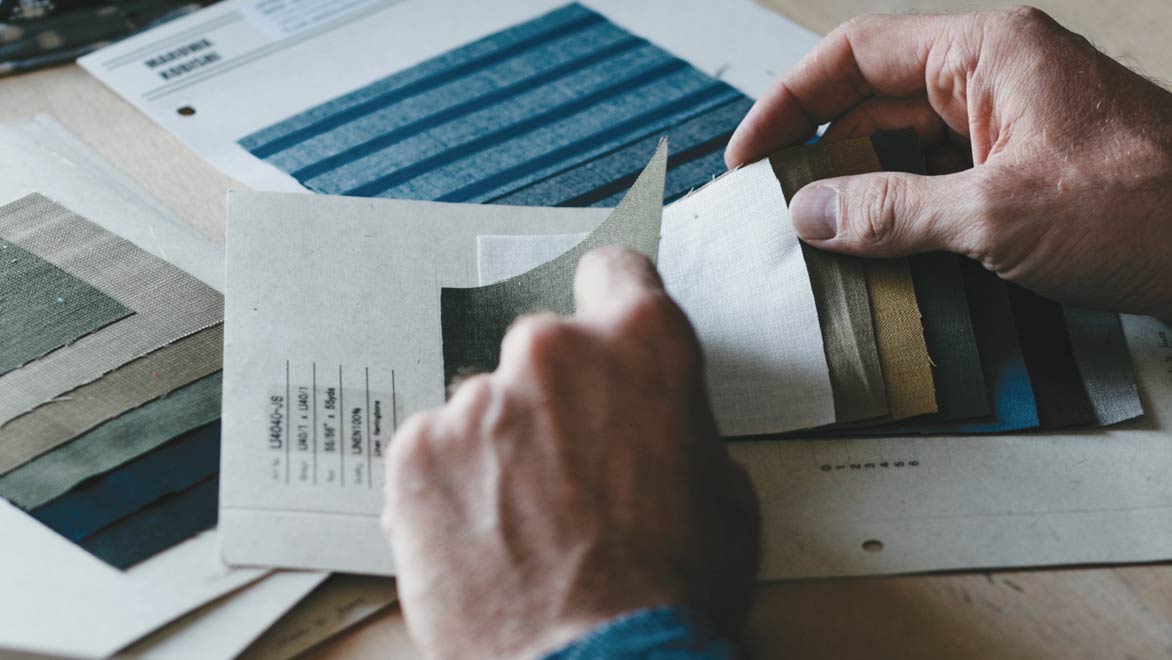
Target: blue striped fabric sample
x,y
563,110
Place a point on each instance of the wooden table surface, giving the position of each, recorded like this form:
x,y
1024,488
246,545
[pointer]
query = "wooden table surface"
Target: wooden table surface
x,y
1093,613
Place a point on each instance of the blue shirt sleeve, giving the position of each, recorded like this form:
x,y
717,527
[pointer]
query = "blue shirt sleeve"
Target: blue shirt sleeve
x,y
664,633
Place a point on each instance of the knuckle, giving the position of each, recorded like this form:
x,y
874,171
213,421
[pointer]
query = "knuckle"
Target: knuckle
x,y
656,319
1027,15
411,446
872,220
540,338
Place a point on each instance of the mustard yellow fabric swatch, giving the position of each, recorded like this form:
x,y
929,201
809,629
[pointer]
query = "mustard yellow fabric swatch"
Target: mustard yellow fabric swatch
x,y
899,335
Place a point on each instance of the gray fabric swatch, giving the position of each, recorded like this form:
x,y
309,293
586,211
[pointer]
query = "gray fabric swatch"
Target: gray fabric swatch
x,y
474,320
1104,364
58,421
839,283
113,443
168,303
43,308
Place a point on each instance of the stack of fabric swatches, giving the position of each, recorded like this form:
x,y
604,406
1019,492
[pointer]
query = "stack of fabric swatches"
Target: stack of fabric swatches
x,y
566,109
110,364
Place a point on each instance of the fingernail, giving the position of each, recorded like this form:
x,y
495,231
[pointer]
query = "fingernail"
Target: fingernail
x,y
814,212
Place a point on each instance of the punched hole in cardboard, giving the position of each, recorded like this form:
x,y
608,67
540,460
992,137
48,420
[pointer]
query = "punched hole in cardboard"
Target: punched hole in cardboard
x,y
873,545
186,111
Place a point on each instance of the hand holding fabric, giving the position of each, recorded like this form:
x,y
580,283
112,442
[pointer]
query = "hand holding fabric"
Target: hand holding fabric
x,y
1056,160
582,480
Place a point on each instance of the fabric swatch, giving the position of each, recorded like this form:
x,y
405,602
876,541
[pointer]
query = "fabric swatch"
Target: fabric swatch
x,y
1099,347
940,293
1045,342
113,443
961,392
1011,395
562,110
739,275
168,303
840,287
899,336
474,320
43,308
108,498
732,260
501,257
162,525
73,413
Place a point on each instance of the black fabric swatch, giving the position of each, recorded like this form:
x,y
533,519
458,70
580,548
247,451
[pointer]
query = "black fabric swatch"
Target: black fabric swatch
x,y
1058,387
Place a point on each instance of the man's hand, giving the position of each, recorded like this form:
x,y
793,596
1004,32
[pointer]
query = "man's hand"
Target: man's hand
x,y
582,480
1071,193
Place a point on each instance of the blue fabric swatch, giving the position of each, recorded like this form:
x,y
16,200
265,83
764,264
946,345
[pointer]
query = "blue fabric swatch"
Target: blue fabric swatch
x,y
108,498
563,110
160,526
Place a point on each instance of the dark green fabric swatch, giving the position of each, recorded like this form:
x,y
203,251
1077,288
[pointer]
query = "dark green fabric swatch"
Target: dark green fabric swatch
x,y
160,526
961,391
475,320
43,308
117,441
840,284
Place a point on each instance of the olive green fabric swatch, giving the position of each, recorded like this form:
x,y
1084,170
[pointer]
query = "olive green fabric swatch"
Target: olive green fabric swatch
x,y
899,335
43,308
474,320
113,443
168,303
840,287
145,379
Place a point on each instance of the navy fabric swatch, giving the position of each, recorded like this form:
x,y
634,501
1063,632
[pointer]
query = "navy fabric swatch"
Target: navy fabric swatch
x,y
108,498
563,110
164,524
1058,387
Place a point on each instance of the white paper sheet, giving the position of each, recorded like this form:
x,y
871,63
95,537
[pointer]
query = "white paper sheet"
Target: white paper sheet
x,y
730,258
57,598
222,630
261,76
63,169
351,281
54,597
329,288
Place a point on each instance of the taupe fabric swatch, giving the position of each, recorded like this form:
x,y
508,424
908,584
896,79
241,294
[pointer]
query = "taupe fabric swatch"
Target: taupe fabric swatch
x,y
113,443
43,308
1104,364
474,320
130,386
899,335
840,287
168,303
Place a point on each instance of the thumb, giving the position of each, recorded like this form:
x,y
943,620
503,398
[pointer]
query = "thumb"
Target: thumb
x,y
889,214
